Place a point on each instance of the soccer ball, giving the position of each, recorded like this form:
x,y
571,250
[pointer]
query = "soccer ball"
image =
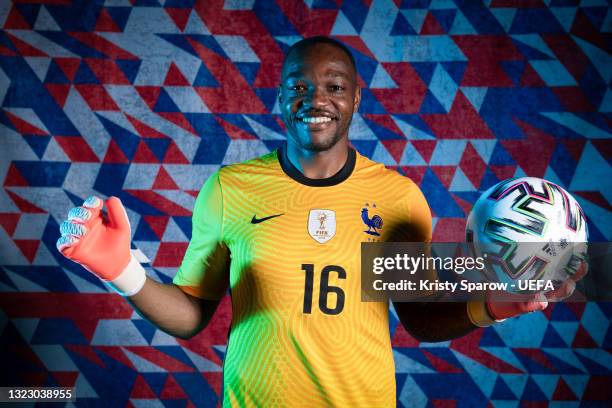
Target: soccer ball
x,y
528,229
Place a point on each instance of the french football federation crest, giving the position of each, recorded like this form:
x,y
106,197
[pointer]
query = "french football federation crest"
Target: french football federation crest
x,y
322,225
374,223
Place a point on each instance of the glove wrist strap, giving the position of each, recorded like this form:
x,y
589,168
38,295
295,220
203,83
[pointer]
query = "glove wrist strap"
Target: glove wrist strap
x,y
131,280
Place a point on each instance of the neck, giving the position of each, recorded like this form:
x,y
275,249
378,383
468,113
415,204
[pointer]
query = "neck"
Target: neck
x,y
318,165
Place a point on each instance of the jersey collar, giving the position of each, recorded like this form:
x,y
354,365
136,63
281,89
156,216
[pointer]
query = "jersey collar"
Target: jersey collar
x,y
296,175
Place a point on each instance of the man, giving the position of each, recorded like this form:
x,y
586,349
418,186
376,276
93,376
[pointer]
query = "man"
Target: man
x,y
283,233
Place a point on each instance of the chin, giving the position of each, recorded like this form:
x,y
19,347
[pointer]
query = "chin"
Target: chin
x,y
321,143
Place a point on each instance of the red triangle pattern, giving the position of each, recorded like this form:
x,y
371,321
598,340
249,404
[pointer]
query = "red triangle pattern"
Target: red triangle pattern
x,y
140,389
149,94
117,354
97,97
573,99
536,355
114,154
395,148
164,181
160,359
604,147
540,145
172,390
145,130
431,26
143,154
414,173
465,205
449,230
503,172
595,197
24,49
23,127
583,339
215,380
463,121
65,378
574,147
59,92
469,346
530,78
174,76
178,119
69,66
233,131
105,23
357,43
157,223
384,121
14,178
563,392
28,247
425,148
174,155
15,21
401,338
24,205
9,221
180,16
87,352
77,149
6,52
445,174
472,165
440,365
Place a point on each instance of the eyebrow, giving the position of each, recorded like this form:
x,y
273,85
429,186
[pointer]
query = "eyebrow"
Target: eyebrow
x,y
330,73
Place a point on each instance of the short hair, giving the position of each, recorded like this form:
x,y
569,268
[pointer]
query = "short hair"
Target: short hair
x,y
321,39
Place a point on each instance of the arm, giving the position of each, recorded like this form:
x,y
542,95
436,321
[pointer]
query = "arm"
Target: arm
x,y
433,322
427,321
101,244
172,310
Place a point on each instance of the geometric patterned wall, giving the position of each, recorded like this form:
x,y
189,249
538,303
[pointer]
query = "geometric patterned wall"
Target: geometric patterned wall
x,y
143,99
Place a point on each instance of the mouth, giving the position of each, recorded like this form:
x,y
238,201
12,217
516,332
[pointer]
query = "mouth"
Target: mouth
x,y
316,120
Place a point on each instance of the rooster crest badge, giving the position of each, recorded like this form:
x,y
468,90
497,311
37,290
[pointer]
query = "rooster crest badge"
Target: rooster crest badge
x,y
373,223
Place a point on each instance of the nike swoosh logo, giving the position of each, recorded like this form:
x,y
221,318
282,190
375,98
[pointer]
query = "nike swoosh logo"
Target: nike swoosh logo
x,y
256,220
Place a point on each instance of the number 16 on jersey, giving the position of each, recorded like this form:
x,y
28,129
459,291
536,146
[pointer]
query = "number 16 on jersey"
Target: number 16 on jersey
x,y
324,288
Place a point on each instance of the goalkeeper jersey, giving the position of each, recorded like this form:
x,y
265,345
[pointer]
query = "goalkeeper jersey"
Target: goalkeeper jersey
x,y
288,249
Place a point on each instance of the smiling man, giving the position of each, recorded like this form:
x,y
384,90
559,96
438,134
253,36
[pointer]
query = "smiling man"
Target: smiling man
x,y
283,232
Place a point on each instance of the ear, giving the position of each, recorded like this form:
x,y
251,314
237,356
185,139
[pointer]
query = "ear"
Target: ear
x,y
357,99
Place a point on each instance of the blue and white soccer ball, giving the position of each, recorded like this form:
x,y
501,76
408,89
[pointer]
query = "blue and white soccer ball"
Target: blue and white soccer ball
x,y
528,229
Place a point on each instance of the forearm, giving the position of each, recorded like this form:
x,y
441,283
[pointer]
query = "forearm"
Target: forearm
x,y
435,321
172,310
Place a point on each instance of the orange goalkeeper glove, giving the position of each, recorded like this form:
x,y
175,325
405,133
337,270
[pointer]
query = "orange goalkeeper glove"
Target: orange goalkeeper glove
x,y
102,244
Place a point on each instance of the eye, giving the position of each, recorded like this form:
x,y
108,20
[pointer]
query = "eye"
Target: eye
x,y
336,88
297,88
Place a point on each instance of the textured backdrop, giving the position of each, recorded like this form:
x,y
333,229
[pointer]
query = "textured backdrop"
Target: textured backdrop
x,y
143,99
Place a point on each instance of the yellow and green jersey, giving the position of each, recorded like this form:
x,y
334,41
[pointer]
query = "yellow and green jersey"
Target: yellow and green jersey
x,y
288,249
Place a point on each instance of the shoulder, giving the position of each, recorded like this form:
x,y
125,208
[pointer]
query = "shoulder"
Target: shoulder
x,y
370,171
250,168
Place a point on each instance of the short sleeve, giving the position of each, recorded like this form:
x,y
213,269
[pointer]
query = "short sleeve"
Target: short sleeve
x,y
420,216
414,223
204,272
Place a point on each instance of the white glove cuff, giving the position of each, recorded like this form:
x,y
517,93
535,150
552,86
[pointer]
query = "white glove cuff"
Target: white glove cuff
x,y
479,314
130,280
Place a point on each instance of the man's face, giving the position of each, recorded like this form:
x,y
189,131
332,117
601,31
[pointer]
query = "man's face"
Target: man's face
x,y
318,95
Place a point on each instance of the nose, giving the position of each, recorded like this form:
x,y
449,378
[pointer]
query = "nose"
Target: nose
x,y
316,98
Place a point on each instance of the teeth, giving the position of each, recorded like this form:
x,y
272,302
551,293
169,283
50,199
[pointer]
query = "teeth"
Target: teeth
x,y
318,119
